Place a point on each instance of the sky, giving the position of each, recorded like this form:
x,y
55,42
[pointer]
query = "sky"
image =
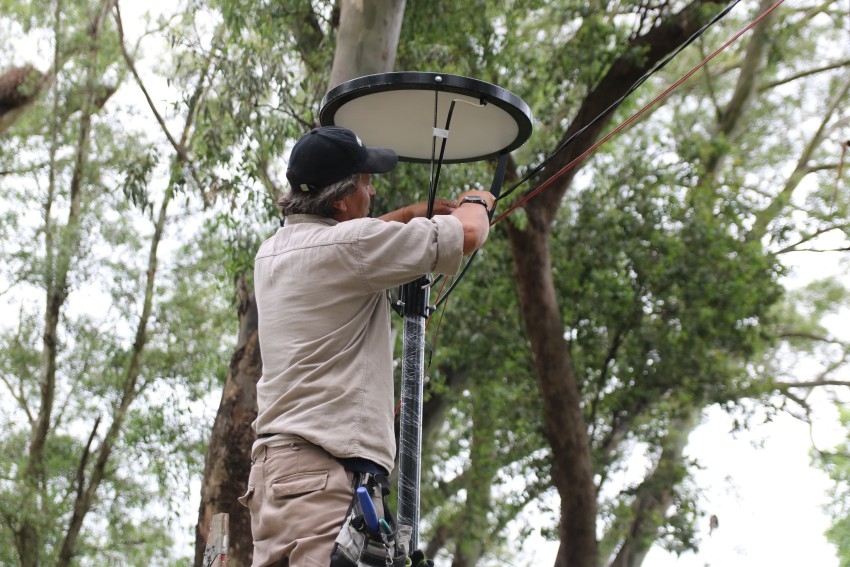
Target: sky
x,y
768,499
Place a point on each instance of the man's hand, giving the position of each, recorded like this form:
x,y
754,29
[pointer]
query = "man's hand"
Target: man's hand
x,y
475,220
441,207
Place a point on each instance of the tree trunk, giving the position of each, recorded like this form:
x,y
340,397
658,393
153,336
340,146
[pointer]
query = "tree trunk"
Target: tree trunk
x,y
228,460
368,34
564,424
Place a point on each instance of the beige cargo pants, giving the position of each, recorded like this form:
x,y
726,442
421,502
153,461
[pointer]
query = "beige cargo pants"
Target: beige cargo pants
x,y
299,496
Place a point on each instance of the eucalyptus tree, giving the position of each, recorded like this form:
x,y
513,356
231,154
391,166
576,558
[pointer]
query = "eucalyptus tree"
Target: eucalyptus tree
x,y
109,342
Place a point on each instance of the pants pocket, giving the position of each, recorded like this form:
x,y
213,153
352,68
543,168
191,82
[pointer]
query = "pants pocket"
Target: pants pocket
x,y
299,483
245,498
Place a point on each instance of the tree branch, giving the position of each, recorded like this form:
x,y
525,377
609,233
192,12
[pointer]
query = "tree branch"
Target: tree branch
x,y
784,386
772,210
804,74
179,147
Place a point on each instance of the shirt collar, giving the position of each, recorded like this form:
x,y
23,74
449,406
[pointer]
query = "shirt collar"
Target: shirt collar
x,y
303,219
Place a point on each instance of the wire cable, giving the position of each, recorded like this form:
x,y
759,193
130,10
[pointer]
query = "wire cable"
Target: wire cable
x,y
635,116
657,67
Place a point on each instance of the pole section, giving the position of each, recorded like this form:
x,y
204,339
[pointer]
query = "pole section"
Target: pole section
x,y
414,298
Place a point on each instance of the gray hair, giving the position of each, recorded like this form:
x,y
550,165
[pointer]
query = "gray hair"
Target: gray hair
x,y
317,202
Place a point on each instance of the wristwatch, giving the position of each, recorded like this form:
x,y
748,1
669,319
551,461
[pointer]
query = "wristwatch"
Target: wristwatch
x,y
476,199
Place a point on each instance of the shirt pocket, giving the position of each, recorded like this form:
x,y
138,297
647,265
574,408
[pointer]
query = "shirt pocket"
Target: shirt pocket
x,y
299,484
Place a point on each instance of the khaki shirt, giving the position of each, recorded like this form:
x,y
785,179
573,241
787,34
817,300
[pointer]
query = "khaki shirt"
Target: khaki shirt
x,y
324,326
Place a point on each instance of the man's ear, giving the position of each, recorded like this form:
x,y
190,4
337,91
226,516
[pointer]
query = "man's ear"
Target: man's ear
x,y
340,210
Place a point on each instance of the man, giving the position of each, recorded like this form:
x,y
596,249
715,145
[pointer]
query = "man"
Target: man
x,y
325,398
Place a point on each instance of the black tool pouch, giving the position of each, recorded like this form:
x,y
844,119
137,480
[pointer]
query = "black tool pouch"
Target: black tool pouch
x,y
357,545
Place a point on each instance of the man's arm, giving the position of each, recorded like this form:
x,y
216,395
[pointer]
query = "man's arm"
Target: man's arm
x,y
410,212
474,217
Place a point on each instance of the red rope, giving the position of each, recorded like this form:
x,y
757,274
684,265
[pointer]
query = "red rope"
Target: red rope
x,y
637,115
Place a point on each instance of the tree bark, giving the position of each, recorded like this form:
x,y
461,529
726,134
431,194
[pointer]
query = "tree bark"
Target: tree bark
x,y
228,460
564,423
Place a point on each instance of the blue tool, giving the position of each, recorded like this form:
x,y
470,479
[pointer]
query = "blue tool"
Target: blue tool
x,y
368,507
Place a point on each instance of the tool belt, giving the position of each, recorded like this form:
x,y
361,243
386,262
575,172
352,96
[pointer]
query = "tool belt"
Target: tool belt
x,y
359,544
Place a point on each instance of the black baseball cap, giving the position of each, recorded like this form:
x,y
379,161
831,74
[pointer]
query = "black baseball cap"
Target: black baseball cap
x,y
325,155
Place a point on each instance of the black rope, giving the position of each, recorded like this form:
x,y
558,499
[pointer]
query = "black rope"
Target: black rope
x,y
658,66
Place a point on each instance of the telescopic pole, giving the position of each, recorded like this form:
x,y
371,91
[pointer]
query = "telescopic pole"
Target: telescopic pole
x,y
415,309
414,299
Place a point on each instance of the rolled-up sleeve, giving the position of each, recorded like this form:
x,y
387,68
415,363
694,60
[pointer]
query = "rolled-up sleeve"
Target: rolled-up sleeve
x,y
392,253
449,245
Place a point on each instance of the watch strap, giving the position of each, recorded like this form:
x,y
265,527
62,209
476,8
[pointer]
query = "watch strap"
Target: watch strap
x,y
476,199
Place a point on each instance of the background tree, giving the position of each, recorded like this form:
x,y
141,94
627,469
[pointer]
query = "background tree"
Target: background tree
x,y
115,342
